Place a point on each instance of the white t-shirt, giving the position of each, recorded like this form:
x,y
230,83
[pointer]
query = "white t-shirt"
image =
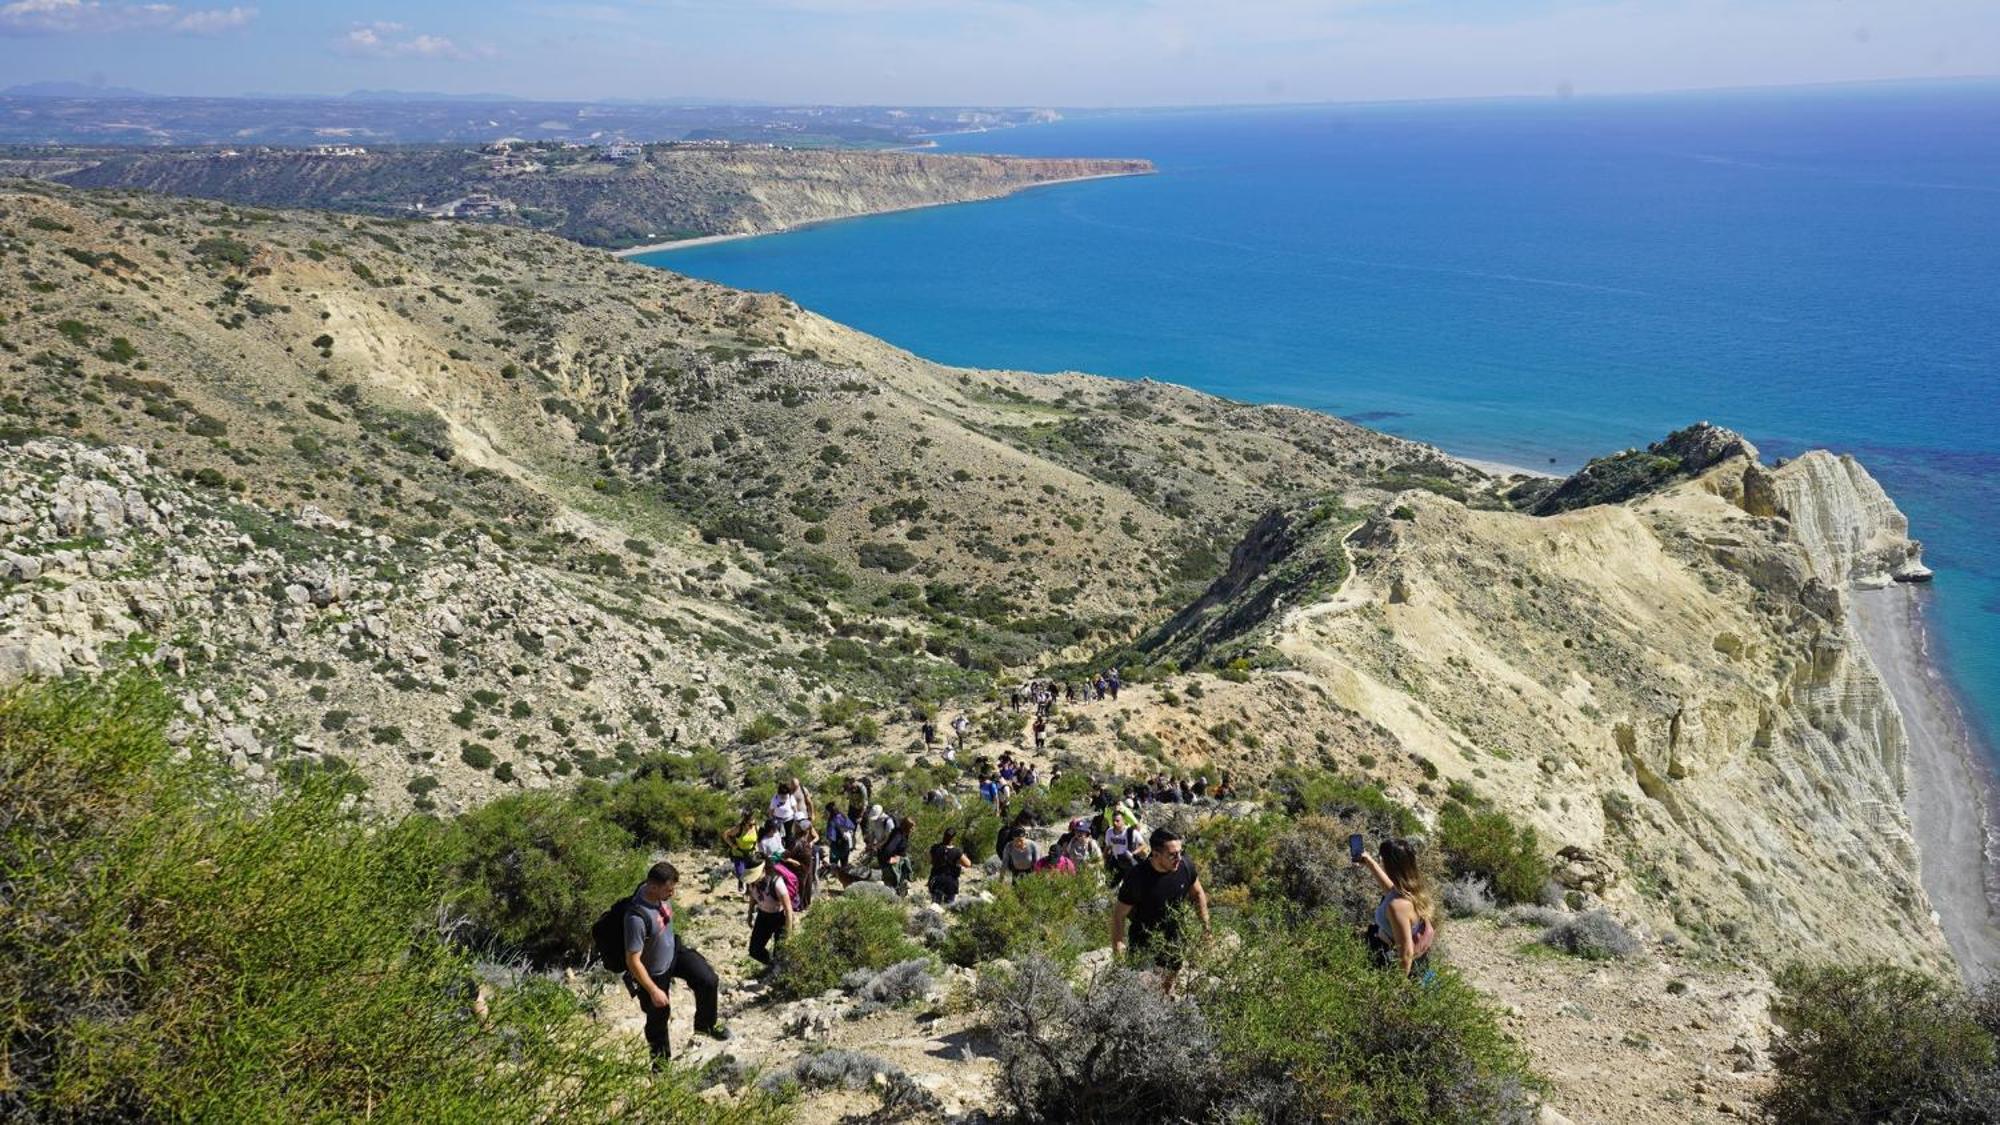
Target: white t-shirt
x,y
787,807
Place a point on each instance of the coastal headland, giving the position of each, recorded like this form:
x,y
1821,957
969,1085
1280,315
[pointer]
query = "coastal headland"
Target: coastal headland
x,y
712,239
610,196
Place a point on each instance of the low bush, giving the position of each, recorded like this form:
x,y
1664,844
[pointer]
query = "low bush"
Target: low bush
x,y
1059,916
1468,897
838,1069
1112,1051
1318,793
1489,846
535,869
668,815
1593,936
838,936
1296,1025
1310,1029
175,949
1880,1043
904,982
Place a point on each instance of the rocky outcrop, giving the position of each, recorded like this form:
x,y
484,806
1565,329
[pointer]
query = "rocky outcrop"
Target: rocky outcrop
x,y
1847,525
1633,473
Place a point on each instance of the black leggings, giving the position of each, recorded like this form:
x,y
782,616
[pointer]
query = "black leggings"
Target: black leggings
x,y
766,927
694,970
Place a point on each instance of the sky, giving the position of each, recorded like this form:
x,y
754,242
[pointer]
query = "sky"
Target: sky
x,y
992,52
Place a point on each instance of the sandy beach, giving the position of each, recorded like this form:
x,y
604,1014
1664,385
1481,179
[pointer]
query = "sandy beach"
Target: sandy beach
x,y
1950,791
1502,469
712,239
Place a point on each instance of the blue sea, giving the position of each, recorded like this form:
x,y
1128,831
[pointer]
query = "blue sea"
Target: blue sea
x,y
1535,282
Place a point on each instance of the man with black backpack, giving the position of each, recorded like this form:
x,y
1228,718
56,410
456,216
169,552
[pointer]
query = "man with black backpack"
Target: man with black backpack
x,y
637,936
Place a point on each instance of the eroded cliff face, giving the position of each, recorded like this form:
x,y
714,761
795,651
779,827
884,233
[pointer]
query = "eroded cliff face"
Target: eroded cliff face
x,y
1670,688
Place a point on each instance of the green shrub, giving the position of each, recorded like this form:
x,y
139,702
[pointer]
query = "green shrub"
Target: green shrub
x,y
839,935
475,755
1879,1043
762,728
1318,793
1068,796
1301,1011
1058,916
1296,1025
669,815
535,869
1487,845
159,963
892,557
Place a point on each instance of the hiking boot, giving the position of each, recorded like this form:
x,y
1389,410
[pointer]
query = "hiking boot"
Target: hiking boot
x,y
720,1033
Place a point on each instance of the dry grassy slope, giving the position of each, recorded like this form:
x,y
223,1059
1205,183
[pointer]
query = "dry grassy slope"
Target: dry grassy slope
x,y
465,399
1664,684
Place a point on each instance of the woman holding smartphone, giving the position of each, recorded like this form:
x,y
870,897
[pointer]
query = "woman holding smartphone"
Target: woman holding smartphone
x,y
1405,920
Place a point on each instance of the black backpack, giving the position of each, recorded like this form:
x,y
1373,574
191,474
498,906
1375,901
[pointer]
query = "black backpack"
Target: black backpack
x,y
607,935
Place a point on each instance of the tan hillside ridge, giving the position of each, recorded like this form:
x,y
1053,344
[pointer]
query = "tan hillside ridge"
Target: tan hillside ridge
x,y
1668,686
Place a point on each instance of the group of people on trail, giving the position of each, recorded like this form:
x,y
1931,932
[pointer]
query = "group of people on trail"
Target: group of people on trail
x,y
780,857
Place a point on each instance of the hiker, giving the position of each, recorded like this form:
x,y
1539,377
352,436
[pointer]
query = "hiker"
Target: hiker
x,y
771,844
840,830
1020,855
1041,728
959,727
1121,844
1151,899
948,860
742,844
1112,681
930,732
875,829
773,909
859,795
1082,847
803,862
791,802
1405,924
1007,830
1224,791
653,958
893,857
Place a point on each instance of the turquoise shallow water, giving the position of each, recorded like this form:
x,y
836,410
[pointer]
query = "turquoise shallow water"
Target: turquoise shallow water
x,y
1530,282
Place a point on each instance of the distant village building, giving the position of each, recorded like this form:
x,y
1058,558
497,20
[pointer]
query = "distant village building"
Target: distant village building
x,y
477,205
339,150
513,166
623,151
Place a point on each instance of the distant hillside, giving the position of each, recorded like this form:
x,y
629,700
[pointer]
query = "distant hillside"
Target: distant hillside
x,y
477,463
662,194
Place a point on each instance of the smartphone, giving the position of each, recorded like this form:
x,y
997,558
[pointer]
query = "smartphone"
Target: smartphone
x,y
1354,847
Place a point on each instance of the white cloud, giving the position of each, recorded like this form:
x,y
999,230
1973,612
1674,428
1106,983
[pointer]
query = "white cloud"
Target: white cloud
x,y
60,17
386,39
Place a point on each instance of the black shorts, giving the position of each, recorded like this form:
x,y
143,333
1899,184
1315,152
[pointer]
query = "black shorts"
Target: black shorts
x,y
1162,951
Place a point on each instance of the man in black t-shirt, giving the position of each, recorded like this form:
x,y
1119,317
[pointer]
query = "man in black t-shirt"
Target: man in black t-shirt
x,y
1149,898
